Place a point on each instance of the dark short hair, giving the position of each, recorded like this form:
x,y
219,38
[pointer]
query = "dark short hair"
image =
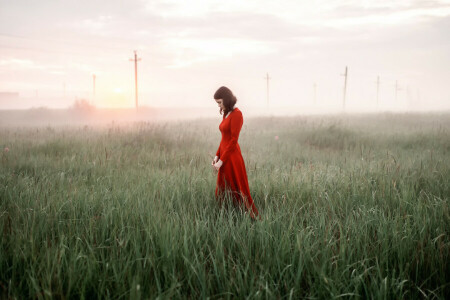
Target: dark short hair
x,y
228,99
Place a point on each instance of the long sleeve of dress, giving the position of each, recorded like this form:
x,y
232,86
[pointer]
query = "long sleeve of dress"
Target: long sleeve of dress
x,y
218,152
236,125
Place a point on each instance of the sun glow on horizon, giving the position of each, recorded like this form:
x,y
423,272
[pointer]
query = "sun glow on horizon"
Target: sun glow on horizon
x,y
115,98
118,90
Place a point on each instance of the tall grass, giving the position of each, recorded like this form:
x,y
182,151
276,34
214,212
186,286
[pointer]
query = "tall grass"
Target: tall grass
x,y
352,206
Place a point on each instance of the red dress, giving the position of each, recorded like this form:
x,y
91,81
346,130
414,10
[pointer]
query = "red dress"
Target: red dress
x,y
232,176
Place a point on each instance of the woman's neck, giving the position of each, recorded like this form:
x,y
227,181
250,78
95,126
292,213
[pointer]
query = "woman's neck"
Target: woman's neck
x,y
229,112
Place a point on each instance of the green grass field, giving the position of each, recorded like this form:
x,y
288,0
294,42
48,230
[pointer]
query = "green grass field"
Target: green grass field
x,y
353,206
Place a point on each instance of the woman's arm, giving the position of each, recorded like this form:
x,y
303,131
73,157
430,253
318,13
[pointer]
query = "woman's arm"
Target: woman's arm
x,y
218,152
236,125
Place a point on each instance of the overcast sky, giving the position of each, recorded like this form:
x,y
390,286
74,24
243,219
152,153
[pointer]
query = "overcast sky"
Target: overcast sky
x,y
190,48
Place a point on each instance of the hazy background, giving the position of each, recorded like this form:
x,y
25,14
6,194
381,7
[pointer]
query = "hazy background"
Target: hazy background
x,y
49,51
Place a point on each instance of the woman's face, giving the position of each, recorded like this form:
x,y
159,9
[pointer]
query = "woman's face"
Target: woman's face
x,y
220,103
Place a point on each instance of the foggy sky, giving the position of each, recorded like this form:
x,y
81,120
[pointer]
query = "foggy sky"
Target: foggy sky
x,y
190,48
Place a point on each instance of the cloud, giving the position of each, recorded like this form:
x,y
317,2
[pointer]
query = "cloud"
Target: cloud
x,y
95,24
26,64
18,63
189,51
351,16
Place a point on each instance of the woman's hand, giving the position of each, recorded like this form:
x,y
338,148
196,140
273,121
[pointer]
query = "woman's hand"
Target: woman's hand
x,y
218,164
215,160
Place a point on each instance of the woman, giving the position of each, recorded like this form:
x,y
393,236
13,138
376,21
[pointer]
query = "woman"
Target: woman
x,y
232,176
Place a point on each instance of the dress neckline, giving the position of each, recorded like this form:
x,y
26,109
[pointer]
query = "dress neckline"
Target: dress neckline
x,y
225,117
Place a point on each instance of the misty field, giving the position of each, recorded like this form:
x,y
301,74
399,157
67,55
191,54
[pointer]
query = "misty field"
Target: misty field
x,y
353,206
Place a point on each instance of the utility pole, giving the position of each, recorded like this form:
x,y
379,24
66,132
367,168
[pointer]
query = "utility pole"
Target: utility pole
x,y
315,92
408,95
93,89
378,87
136,59
397,88
345,85
267,79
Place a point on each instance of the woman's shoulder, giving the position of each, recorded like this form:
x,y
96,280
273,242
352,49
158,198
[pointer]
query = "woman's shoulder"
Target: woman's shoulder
x,y
236,114
237,111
